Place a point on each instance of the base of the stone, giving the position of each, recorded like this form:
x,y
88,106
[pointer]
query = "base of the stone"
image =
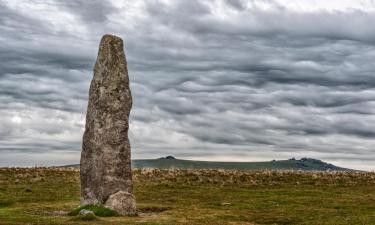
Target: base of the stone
x,y
122,202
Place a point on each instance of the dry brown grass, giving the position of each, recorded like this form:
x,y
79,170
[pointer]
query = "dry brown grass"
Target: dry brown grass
x,y
254,178
43,195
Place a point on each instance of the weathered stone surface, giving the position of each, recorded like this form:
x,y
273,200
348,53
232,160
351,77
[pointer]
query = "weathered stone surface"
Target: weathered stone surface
x,y
105,157
122,202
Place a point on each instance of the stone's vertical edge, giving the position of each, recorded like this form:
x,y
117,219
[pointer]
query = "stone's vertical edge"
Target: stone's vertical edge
x,y
106,176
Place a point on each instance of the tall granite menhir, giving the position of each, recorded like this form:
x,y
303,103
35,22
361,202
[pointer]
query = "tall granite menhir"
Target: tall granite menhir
x,y
106,176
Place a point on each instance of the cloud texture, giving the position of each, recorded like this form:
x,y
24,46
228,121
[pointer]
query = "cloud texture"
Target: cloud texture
x,y
211,79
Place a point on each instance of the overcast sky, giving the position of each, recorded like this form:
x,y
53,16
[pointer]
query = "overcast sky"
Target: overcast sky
x,y
229,80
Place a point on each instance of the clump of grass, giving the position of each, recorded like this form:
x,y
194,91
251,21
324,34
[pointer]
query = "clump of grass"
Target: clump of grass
x,y
4,204
97,209
88,217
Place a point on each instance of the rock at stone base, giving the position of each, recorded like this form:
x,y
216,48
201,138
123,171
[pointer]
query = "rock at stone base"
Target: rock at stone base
x,y
122,202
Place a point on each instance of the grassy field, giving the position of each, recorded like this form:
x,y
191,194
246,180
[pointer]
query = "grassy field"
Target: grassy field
x,y
43,196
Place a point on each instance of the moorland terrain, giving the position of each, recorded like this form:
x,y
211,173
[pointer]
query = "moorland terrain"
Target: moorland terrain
x,y
197,196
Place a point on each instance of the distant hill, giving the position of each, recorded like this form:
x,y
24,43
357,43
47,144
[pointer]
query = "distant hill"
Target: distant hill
x,y
291,164
170,162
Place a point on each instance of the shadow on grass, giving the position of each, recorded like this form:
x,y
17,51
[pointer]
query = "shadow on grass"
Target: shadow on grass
x,y
97,209
153,209
88,217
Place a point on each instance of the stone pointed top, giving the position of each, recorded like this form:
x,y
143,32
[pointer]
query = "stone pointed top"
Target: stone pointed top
x,y
111,60
110,38
111,45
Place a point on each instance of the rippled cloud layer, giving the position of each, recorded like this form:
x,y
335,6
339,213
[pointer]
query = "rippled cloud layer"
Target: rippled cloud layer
x,y
211,79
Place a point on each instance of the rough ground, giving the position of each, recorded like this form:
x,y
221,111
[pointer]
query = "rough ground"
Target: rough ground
x,y
42,196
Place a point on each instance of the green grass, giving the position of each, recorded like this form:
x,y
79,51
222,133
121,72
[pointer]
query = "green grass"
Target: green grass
x,y
97,209
4,204
169,197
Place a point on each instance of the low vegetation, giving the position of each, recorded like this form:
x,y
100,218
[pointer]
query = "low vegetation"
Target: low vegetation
x,y
47,195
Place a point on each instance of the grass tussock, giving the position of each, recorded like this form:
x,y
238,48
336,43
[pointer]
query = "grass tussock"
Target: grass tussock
x,y
4,204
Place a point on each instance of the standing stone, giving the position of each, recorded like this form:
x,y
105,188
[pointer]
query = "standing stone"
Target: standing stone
x,y
106,176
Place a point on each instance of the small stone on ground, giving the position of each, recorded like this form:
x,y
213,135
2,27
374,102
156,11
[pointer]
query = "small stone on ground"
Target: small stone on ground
x,y
86,212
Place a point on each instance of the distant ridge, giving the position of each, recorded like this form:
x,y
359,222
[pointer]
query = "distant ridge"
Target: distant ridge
x,y
170,162
168,157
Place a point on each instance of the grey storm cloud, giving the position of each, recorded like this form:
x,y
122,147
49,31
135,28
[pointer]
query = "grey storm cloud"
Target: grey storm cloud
x,y
237,4
212,79
94,11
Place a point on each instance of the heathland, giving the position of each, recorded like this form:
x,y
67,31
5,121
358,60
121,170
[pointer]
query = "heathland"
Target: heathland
x,y
199,196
